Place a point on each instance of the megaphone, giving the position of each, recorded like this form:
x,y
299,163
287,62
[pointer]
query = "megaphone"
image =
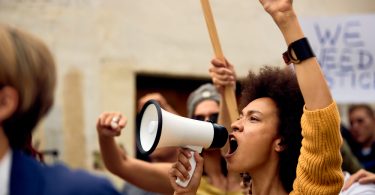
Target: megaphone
x,y
159,128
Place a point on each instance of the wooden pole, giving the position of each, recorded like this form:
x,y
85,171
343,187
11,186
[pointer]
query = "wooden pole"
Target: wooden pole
x,y
229,95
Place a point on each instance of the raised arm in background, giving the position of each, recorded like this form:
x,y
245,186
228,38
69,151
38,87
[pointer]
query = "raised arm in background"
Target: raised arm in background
x,y
137,172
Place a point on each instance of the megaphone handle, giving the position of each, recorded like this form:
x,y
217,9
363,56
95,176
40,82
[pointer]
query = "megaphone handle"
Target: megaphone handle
x,y
193,164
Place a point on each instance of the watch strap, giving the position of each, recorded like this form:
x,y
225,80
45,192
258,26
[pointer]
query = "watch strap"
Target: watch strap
x,y
302,50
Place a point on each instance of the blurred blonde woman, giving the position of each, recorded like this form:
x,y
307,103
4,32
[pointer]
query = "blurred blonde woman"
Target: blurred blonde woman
x,y
27,83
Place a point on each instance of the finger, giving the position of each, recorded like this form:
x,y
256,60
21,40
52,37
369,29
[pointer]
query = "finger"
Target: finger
x,y
220,83
103,116
354,178
115,121
186,152
223,74
101,120
367,180
218,63
224,77
107,119
183,158
122,123
183,172
175,173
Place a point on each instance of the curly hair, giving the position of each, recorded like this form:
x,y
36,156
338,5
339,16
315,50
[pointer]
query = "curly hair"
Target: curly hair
x,y
282,87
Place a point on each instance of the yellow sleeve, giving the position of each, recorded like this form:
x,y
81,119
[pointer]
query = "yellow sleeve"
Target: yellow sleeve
x,y
319,165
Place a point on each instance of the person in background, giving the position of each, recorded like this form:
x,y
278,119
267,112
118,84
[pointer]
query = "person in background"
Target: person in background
x,y
27,83
350,162
362,130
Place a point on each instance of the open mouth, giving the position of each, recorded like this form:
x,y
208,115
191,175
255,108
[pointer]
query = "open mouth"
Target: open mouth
x,y
232,144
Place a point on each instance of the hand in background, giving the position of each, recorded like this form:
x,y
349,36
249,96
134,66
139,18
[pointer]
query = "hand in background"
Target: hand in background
x,y
222,74
362,176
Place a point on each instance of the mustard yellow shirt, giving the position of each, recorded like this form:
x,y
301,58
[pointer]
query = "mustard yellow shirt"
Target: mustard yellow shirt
x,y
206,188
319,165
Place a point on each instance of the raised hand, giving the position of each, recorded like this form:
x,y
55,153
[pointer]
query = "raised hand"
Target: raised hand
x,y
181,168
278,9
110,124
222,74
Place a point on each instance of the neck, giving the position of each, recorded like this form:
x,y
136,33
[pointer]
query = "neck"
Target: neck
x,y
4,145
212,168
266,180
234,181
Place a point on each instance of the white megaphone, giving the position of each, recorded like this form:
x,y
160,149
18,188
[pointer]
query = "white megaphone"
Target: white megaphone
x,y
159,128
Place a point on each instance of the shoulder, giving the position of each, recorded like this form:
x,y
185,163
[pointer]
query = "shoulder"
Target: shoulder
x,y
36,178
61,178
132,189
26,172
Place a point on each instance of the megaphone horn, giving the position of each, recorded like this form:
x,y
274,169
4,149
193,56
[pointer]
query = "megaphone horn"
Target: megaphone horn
x,y
159,128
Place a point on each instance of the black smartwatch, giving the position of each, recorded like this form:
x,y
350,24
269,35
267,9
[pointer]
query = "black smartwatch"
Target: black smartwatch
x,y
302,50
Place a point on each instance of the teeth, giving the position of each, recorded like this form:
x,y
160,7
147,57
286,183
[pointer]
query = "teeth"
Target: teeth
x,y
232,144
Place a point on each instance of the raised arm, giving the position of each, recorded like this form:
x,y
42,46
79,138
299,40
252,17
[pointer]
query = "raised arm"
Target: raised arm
x,y
319,164
310,77
137,172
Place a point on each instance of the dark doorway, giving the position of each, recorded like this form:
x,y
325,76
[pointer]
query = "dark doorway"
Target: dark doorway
x,y
174,89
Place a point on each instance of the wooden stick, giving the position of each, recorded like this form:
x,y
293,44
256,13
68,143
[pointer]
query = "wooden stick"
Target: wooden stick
x,y
230,97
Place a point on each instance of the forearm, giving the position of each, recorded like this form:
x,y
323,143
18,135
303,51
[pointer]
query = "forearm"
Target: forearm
x,y
148,176
111,154
310,77
151,177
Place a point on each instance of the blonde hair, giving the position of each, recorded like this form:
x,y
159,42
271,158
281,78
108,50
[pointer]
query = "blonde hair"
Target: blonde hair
x,y
27,65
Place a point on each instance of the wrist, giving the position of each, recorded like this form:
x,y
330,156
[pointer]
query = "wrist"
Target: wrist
x,y
291,30
283,20
104,137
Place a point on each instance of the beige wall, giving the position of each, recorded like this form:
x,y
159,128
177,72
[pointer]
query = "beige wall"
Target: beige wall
x,y
99,46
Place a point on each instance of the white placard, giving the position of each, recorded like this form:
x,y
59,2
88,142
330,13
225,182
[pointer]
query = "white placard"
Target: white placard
x,y
345,48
